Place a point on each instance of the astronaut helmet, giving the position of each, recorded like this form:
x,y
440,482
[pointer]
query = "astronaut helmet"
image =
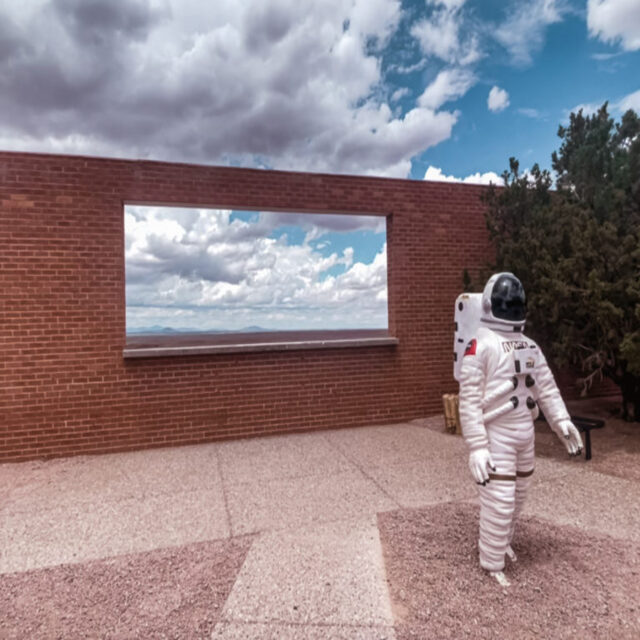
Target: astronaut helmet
x,y
504,303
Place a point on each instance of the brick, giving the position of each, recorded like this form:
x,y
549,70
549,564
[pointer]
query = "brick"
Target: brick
x,y
66,389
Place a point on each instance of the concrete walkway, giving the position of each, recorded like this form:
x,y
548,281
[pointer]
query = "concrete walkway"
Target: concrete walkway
x,y
315,568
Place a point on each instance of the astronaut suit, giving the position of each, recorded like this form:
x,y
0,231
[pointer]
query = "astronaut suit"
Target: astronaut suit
x,y
503,376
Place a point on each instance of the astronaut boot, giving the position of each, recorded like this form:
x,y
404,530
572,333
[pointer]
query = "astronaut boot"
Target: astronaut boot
x,y
511,554
500,578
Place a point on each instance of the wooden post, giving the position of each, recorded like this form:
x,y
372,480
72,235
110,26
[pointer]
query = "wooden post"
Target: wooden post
x,y
451,413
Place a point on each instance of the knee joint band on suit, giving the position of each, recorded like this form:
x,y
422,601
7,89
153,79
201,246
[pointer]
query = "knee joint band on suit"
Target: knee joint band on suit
x,y
510,478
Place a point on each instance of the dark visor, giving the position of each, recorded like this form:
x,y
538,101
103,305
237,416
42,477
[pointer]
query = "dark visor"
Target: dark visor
x,y
508,301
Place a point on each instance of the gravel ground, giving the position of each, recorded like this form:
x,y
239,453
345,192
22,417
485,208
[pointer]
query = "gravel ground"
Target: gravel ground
x,y
169,593
565,584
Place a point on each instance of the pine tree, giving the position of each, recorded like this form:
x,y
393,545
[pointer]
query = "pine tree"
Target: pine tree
x,y
577,249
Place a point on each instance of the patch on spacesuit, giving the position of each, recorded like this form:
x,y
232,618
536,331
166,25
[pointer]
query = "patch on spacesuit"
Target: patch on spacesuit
x,y
530,364
513,345
471,348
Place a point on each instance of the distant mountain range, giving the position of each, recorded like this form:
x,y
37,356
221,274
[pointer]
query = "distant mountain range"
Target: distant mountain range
x,y
157,329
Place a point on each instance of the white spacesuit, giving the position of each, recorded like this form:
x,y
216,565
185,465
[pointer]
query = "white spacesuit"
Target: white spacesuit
x,y
503,376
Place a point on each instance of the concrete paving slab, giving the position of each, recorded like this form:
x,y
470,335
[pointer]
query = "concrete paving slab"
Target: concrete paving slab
x,y
618,463
330,574
591,501
88,479
392,445
441,475
415,484
445,478
9,474
286,504
549,469
76,533
447,443
263,459
240,631
5,493
435,424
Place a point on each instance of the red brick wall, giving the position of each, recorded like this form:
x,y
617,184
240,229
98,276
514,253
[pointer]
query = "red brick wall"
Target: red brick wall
x,y
65,387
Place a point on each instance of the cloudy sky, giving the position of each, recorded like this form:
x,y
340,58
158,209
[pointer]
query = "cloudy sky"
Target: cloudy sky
x,y
435,89
199,269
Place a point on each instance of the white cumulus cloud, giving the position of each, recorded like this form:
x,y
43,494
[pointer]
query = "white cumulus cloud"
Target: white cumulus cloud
x,y
522,32
449,84
489,177
619,106
498,99
398,94
631,101
535,114
203,269
282,84
615,21
441,34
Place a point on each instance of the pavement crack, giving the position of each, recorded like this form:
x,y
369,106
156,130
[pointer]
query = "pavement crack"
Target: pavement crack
x,y
223,484
363,472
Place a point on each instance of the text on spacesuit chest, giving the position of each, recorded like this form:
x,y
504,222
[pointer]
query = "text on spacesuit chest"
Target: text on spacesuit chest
x,y
513,345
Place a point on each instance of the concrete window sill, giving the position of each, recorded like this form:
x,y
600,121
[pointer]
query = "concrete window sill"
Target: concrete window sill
x,y
154,346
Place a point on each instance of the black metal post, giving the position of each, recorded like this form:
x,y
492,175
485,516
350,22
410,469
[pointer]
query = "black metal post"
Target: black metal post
x,y
587,438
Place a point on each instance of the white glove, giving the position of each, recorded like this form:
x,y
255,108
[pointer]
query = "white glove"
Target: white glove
x,y
479,463
570,435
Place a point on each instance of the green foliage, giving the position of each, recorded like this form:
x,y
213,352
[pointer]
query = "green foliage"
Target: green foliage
x,y
577,249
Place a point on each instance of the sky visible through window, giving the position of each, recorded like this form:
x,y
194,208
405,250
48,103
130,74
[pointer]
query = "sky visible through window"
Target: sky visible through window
x,y
191,269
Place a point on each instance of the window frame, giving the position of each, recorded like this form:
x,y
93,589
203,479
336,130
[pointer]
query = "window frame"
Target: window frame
x,y
154,346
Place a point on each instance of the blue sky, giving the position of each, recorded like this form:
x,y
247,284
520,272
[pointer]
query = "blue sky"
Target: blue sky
x,y
421,89
567,69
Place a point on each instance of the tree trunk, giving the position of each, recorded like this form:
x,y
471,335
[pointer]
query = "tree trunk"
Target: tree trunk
x,y
630,388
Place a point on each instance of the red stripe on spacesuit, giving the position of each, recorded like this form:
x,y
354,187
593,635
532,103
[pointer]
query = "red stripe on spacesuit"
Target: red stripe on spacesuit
x,y
471,348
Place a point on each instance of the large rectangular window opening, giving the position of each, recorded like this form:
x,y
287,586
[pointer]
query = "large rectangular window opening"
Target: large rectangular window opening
x,y
220,272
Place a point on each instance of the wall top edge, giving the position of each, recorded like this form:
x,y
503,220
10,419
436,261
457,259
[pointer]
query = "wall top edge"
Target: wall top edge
x,y
143,162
